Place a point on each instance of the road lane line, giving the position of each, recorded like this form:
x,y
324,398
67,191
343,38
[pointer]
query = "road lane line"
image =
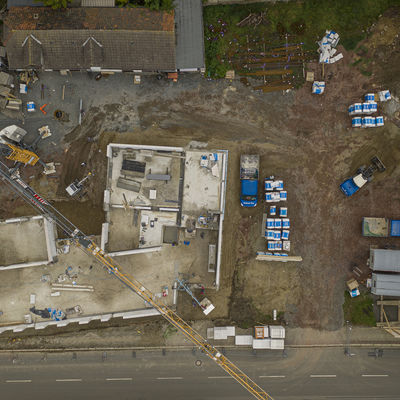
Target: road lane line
x,y
69,380
374,376
219,377
322,376
272,376
118,379
169,377
19,380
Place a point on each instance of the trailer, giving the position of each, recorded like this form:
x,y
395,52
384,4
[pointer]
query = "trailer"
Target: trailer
x,y
249,174
380,227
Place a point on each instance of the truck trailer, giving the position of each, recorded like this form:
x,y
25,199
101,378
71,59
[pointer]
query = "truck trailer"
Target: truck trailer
x,y
249,174
380,227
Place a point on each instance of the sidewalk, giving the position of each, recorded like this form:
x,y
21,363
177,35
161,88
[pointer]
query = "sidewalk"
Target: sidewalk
x,y
157,334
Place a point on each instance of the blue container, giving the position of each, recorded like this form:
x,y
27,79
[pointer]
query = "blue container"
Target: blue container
x,y
283,195
356,122
395,227
272,211
278,223
268,184
270,223
283,212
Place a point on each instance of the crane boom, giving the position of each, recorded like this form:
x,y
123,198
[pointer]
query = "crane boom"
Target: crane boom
x,y
90,247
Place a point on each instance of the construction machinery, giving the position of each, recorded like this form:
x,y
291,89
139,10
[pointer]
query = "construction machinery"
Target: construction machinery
x,y
76,187
82,241
363,175
13,148
17,154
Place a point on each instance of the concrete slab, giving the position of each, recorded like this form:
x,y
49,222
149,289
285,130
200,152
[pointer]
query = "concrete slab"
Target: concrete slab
x,y
22,240
202,185
166,191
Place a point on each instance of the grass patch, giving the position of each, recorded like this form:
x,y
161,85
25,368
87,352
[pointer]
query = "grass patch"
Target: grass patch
x,y
303,21
359,310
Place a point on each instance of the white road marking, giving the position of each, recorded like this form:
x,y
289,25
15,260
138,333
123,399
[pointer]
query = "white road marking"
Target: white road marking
x,y
69,380
170,377
322,376
374,376
219,377
19,381
118,379
272,376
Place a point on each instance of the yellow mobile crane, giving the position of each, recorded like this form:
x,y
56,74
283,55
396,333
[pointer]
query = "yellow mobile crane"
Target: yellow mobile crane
x,y
85,243
18,154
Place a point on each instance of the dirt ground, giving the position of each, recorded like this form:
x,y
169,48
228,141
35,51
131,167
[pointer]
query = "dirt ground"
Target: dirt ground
x,y
303,139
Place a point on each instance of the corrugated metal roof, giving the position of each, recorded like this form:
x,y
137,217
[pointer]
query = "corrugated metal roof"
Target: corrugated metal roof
x,y
385,284
189,34
385,260
23,3
98,3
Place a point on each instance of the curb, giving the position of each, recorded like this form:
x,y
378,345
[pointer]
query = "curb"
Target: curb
x,y
179,348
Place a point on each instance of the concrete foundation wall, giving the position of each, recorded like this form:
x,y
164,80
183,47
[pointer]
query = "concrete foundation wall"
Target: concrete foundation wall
x,y
82,320
50,236
222,216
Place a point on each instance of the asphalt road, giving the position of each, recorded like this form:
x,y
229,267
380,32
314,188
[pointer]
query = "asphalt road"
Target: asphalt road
x,y
301,374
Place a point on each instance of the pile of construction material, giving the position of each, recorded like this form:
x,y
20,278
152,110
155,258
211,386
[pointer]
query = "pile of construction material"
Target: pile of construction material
x,y
270,337
327,48
370,106
276,225
265,337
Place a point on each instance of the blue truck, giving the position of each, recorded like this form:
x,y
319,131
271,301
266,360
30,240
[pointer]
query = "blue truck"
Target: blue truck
x,y
249,174
363,175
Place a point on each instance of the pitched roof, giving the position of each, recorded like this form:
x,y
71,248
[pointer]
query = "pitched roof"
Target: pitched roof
x,y
110,38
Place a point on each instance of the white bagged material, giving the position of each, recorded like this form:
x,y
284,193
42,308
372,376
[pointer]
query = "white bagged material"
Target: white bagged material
x,y
277,344
243,340
384,95
261,343
277,331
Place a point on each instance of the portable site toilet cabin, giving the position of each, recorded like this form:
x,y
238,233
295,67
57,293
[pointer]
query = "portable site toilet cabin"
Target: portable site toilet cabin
x,y
385,284
384,260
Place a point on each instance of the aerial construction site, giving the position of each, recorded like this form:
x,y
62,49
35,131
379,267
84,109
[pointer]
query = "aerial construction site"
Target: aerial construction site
x,y
248,205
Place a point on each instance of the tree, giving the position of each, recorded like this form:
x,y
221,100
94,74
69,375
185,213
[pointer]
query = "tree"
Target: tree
x,y
55,4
